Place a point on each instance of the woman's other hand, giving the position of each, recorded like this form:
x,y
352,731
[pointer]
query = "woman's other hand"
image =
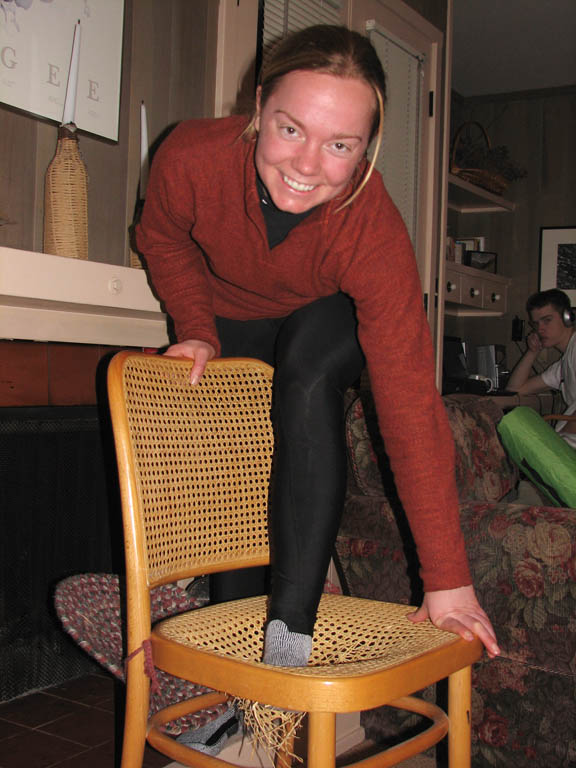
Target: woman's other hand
x,y
458,610
199,351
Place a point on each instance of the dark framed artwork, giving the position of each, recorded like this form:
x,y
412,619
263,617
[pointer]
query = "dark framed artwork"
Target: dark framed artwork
x,y
558,260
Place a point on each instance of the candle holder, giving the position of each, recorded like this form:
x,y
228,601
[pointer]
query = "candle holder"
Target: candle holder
x,y
66,199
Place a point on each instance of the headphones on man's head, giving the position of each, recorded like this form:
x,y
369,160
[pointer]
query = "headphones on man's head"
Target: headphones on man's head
x,y
569,317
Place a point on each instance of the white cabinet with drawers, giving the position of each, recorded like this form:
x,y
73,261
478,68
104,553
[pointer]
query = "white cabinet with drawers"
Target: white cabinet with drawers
x,y
468,291
472,292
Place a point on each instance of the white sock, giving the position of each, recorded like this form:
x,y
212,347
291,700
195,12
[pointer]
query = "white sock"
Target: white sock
x,y
283,648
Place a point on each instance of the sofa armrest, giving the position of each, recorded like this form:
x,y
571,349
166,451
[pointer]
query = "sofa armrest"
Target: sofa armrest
x,y
483,470
523,563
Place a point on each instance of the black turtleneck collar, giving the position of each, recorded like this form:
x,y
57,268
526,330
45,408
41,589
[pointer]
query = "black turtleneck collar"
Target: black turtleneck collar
x,y
278,223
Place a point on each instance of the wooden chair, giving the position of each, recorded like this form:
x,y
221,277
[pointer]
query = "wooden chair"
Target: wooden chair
x,y
560,417
194,466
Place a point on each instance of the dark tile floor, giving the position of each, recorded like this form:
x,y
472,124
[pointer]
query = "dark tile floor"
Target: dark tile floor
x,y
68,726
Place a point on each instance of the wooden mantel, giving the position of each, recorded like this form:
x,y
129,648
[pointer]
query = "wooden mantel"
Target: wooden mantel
x,y
52,298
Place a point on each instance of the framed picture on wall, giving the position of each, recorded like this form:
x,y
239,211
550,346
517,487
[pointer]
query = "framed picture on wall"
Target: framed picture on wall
x,y
558,260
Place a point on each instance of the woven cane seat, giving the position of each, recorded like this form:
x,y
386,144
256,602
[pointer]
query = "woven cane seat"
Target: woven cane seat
x,y
352,636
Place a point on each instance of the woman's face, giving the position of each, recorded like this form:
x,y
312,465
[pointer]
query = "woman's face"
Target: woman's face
x,y
312,133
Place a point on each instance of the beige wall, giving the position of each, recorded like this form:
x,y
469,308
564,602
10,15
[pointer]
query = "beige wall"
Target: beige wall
x,y
168,63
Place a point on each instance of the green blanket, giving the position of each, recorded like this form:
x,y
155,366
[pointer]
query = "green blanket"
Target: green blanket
x,y
542,455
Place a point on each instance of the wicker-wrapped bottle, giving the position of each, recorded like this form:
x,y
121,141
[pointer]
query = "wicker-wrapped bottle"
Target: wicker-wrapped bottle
x,y
66,199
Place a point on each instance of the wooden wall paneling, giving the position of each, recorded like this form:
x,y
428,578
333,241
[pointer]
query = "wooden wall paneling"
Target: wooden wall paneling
x,y
140,27
107,163
559,167
539,129
434,11
170,70
107,177
192,36
46,135
17,180
211,59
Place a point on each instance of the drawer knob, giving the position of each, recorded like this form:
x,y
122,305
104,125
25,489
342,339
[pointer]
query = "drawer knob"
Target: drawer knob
x,y
474,292
496,297
451,287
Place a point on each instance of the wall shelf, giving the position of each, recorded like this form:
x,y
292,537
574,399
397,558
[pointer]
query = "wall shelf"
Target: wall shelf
x,y
465,197
52,298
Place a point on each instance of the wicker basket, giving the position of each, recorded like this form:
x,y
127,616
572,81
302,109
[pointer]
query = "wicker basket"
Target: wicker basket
x,y
481,177
66,199
135,260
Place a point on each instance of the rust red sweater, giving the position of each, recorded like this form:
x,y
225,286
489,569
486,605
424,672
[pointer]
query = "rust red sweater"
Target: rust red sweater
x,y
204,238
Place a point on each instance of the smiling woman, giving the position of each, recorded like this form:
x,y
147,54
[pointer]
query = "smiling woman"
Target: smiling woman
x,y
270,236
312,133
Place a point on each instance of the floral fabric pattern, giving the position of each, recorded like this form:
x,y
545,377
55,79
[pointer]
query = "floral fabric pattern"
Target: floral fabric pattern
x,y
483,471
523,562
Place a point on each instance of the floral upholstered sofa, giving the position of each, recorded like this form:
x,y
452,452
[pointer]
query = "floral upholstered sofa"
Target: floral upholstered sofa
x,y
523,561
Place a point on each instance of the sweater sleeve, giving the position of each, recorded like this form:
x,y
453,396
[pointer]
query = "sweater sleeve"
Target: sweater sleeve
x,y
394,334
164,236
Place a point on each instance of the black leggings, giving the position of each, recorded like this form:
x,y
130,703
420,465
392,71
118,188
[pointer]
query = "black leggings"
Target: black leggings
x,y
316,356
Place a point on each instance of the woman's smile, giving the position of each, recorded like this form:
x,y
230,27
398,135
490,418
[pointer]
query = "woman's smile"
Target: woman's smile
x,y
298,186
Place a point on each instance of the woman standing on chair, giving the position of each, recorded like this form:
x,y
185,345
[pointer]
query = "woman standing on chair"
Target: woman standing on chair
x,y
273,237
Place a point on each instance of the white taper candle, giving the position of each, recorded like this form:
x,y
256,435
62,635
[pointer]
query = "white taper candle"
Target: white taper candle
x,y
144,163
70,100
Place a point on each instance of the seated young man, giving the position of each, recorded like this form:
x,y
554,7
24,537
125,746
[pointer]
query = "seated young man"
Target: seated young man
x,y
552,319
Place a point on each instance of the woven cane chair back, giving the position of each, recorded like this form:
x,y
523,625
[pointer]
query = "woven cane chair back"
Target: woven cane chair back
x,y
194,463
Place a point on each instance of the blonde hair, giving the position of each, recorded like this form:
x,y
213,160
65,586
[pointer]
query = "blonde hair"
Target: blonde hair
x,y
372,164
332,50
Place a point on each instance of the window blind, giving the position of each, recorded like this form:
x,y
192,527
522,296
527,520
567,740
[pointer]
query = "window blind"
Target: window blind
x,y
398,160
284,16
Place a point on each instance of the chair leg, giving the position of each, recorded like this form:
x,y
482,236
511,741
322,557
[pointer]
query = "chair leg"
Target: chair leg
x,y
459,713
135,719
321,740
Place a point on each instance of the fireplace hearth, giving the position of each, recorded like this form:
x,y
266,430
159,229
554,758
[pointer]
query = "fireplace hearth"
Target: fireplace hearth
x,y
59,517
